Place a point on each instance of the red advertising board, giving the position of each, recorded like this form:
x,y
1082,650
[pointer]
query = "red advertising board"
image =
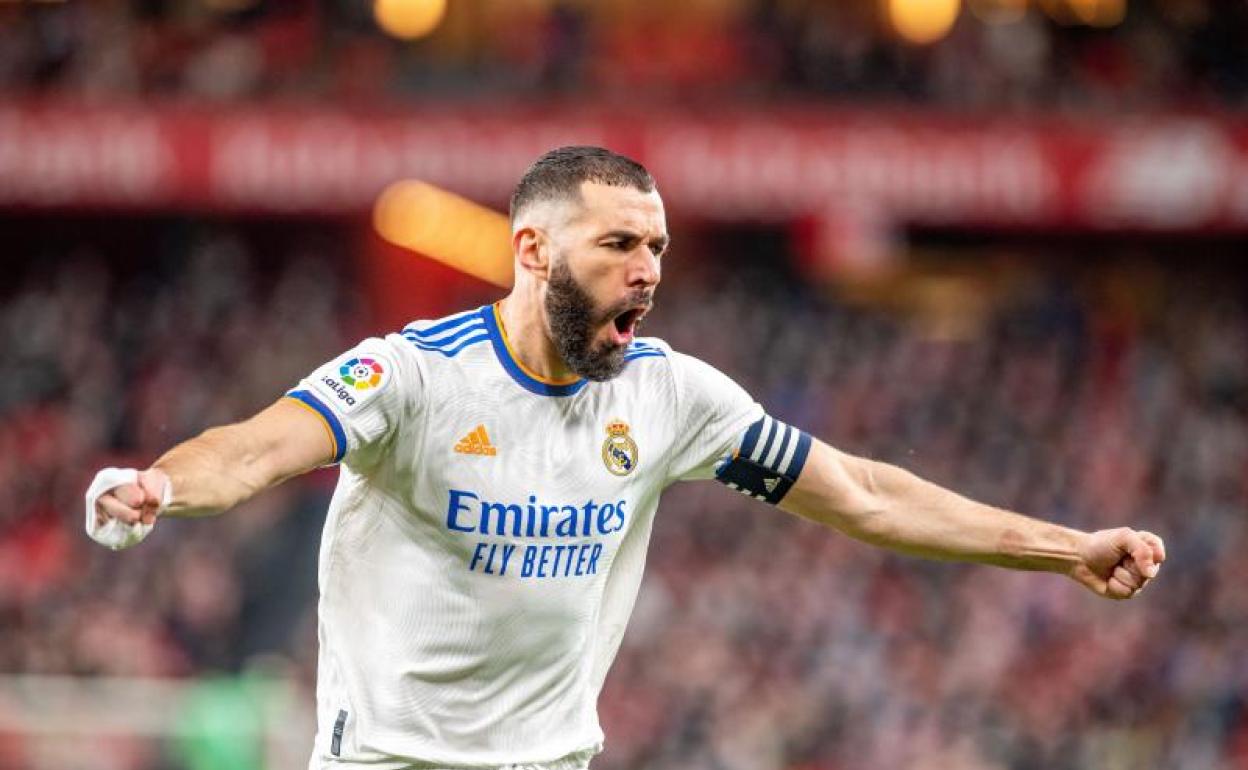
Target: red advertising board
x,y
1154,172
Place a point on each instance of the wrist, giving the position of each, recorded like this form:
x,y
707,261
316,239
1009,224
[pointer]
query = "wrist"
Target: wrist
x,y
1080,540
1046,548
158,488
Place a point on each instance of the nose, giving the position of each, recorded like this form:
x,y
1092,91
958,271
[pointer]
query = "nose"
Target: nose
x,y
644,269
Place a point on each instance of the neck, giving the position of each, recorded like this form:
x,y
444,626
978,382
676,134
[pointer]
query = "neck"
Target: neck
x,y
528,339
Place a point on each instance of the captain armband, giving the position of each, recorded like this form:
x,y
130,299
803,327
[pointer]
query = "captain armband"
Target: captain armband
x,y
767,461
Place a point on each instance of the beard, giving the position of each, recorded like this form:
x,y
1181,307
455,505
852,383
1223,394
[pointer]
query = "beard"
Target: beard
x,y
574,320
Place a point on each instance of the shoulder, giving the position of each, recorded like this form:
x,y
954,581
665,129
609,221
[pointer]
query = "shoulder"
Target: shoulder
x,y
647,347
650,356
696,384
654,364
446,337
657,353
417,355
650,359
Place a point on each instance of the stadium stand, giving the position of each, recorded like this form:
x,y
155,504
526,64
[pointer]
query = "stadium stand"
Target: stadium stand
x,y
1165,53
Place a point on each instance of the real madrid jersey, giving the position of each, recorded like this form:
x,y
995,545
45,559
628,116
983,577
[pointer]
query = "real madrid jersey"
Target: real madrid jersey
x,y
487,536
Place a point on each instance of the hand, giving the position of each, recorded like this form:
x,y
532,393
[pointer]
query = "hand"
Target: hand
x,y
1118,563
130,503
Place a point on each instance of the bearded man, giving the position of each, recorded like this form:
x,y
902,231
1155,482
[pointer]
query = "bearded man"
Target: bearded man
x,y
499,474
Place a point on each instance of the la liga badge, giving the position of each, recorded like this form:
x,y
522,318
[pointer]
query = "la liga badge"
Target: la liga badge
x,y
362,373
353,380
619,451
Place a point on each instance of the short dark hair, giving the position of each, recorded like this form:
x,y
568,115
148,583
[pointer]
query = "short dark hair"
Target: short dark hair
x,y
558,175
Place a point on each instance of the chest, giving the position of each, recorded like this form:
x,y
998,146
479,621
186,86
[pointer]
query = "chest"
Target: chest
x,y
509,480
495,439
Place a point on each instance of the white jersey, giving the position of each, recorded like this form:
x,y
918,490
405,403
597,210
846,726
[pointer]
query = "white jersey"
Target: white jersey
x,y
486,540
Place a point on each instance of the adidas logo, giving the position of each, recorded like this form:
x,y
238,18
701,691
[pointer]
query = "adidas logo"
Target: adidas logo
x,y
476,443
770,483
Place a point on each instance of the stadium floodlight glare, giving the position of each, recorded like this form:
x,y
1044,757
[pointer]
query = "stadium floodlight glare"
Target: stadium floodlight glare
x,y
1091,13
445,227
1099,13
408,19
923,21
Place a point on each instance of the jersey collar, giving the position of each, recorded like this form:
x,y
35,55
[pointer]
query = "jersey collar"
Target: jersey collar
x,y
526,378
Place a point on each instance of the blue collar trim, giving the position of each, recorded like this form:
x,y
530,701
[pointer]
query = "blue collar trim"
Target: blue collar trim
x,y
513,368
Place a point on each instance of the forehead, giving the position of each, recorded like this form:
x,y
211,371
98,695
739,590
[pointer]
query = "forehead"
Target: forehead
x,y
605,206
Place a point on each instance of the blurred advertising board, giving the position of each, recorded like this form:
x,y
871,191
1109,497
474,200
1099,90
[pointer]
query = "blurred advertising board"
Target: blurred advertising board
x,y
1174,173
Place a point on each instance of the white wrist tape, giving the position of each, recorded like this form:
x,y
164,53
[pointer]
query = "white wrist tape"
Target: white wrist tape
x,y
113,533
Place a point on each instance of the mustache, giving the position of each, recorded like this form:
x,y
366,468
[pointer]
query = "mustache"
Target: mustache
x,y
640,298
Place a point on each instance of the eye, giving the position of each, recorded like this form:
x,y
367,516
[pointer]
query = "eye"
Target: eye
x,y
658,249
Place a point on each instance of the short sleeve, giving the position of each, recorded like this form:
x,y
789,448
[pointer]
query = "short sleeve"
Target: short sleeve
x,y
712,413
363,396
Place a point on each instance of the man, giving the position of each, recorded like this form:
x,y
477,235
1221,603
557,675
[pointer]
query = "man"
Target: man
x,y
500,469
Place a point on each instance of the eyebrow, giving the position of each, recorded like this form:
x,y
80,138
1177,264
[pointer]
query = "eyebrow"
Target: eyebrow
x,y
628,235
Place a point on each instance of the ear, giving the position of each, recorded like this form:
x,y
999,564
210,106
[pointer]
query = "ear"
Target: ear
x,y
532,251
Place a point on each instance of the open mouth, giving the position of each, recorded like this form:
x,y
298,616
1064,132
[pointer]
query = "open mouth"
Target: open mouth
x,y
627,323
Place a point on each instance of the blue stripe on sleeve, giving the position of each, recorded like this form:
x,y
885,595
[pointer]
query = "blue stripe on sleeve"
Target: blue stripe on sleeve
x,y
331,419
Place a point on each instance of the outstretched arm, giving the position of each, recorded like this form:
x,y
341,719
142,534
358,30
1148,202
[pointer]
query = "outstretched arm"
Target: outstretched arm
x,y
888,506
224,466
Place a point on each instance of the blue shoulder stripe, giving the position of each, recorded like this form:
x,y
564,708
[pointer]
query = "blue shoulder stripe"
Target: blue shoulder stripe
x,y
644,354
642,349
443,325
450,337
450,351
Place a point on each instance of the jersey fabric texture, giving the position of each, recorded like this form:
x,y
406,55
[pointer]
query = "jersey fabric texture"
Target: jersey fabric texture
x,y
487,536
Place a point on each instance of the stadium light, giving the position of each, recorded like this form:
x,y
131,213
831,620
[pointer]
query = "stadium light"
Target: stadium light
x,y
1099,13
409,19
1093,13
923,21
445,227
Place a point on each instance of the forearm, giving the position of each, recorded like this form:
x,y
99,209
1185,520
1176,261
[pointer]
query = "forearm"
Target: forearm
x,y
224,466
212,473
891,507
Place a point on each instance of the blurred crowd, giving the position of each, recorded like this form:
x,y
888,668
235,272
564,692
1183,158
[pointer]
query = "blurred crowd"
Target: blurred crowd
x,y
108,363
759,642
1177,54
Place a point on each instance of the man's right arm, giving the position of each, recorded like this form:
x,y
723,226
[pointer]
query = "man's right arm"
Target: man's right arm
x,y
224,466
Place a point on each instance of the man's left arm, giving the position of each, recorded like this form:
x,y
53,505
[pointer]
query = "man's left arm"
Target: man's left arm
x,y
887,506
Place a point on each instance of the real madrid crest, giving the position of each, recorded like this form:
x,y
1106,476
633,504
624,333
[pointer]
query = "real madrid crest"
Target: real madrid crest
x,y
619,451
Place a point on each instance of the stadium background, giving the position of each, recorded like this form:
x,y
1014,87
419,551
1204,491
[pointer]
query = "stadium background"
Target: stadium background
x,y
1003,253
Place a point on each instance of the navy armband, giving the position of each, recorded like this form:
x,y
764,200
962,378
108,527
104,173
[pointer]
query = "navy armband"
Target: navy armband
x,y
767,462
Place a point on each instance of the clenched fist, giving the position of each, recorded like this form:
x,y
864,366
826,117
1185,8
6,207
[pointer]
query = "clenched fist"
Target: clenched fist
x,y
1118,563
139,502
